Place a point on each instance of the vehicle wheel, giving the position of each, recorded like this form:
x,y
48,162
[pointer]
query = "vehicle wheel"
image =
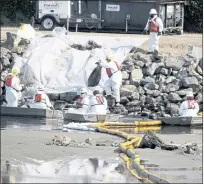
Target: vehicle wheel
x,y
48,23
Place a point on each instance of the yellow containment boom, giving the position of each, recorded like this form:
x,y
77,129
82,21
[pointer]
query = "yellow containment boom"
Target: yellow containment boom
x,y
131,158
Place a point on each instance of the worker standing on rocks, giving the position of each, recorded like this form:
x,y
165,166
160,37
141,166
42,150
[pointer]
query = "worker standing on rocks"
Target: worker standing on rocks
x,y
98,103
189,107
13,88
41,100
155,27
112,85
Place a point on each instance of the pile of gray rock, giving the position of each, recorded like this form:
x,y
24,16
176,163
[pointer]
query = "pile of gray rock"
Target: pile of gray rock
x,y
155,85
7,61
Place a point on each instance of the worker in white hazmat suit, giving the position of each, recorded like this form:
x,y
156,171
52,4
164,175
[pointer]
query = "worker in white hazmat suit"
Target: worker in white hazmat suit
x,y
98,104
155,27
189,107
112,85
81,105
41,100
13,88
83,101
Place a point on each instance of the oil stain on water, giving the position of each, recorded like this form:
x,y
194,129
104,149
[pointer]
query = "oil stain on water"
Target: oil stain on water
x,y
90,170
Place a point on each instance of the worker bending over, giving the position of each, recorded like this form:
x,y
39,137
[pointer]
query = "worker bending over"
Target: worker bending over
x,y
112,85
98,103
155,27
82,103
41,100
13,88
189,107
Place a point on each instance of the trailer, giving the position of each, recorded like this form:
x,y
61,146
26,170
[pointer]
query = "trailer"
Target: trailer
x,y
123,15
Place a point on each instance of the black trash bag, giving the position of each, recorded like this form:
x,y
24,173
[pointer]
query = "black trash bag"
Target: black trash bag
x,y
150,140
95,77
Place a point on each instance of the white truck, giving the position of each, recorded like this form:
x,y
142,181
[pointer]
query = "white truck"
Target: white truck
x,y
50,13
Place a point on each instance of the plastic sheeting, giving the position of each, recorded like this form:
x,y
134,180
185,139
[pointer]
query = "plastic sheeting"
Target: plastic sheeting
x,y
68,170
53,65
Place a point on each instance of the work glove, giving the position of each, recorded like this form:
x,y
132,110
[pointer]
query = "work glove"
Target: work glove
x,y
159,34
145,32
78,105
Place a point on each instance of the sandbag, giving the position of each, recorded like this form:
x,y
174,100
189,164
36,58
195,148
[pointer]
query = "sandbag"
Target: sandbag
x,y
95,77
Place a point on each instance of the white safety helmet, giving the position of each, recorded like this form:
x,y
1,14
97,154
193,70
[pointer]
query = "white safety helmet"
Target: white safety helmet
x,y
83,90
153,12
190,94
15,71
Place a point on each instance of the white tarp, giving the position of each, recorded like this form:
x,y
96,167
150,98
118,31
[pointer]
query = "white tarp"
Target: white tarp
x,y
56,67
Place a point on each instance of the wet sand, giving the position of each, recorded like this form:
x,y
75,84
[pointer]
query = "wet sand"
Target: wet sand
x,y
174,166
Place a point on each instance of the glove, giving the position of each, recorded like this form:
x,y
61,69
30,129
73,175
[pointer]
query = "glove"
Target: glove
x,y
145,32
159,34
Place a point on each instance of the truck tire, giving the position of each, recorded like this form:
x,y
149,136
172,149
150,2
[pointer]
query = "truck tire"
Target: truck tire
x,y
48,23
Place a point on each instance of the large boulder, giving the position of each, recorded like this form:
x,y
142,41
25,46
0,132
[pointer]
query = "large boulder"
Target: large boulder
x,y
199,97
145,58
125,75
150,70
174,63
128,66
174,97
184,92
190,82
164,71
135,103
182,73
135,95
147,80
139,63
199,70
172,87
68,97
201,63
170,79
124,100
151,86
127,90
172,108
135,76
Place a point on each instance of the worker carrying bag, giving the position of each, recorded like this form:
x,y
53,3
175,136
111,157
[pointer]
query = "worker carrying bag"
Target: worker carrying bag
x,y
95,77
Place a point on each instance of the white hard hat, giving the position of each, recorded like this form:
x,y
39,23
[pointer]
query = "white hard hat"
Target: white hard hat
x,y
83,90
153,11
15,71
190,94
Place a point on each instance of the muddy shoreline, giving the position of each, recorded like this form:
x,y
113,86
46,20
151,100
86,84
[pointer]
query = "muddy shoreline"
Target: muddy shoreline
x,y
175,166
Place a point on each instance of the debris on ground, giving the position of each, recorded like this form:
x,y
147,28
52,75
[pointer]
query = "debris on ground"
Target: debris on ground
x,y
65,141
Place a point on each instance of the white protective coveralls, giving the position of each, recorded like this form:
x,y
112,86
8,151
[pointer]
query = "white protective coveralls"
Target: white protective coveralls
x,y
189,107
13,90
153,43
44,103
84,100
115,81
98,105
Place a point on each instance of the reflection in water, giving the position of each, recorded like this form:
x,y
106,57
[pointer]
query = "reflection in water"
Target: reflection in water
x,y
92,170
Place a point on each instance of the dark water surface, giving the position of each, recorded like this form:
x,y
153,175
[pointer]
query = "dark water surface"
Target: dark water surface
x,y
37,124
